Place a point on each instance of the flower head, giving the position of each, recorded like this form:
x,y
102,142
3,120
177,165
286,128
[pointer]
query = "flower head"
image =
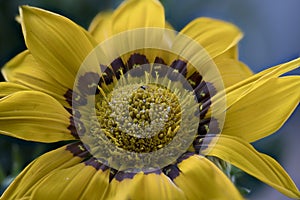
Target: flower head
x,y
142,106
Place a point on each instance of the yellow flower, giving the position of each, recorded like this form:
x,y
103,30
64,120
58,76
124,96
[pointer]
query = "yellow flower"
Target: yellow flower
x,y
48,90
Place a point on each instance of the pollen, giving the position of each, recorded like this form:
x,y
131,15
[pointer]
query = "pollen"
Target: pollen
x,y
139,118
142,121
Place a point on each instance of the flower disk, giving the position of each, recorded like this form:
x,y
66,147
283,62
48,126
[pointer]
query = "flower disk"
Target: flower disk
x,y
142,107
143,121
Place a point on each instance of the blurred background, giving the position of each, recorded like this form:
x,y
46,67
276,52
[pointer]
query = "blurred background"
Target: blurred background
x,y
272,36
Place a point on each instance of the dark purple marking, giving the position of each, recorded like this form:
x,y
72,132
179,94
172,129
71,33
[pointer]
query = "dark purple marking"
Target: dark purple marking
x,y
201,127
206,102
214,127
172,171
96,164
112,173
180,65
184,156
159,61
106,75
177,67
136,60
75,99
76,114
195,79
211,88
69,110
88,83
207,128
197,143
117,65
204,121
205,88
72,128
76,127
78,149
78,100
205,109
120,175
68,96
203,92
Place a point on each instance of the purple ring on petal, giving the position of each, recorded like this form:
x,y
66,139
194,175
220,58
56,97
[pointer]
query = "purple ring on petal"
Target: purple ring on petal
x,y
143,115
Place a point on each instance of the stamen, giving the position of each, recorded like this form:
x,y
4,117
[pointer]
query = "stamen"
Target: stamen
x,y
145,120
143,114
142,120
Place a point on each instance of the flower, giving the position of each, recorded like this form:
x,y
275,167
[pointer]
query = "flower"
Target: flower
x,y
51,86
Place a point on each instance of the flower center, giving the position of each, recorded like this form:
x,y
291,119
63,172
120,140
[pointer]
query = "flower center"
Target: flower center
x,y
147,121
133,113
139,118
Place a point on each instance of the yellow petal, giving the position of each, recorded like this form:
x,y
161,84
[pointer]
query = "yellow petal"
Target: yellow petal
x,y
71,183
232,53
200,179
24,70
215,36
232,71
34,116
9,88
263,110
55,42
144,186
101,26
97,186
133,14
262,77
61,158
241,154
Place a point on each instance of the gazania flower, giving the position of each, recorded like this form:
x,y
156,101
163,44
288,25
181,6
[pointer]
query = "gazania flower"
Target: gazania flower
x,y
142,119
